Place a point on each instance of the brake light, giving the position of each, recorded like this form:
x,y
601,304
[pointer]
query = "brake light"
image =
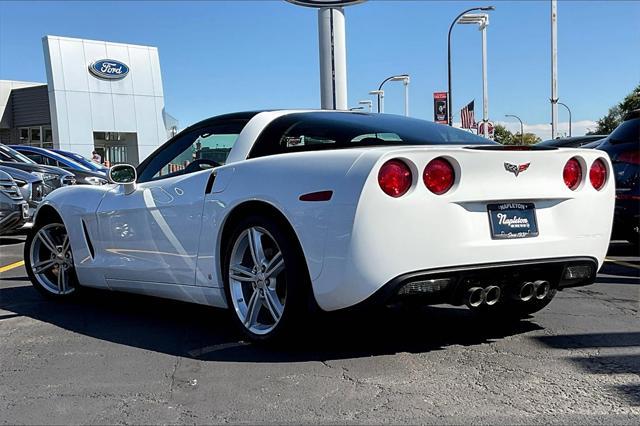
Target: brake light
x,y
395,178
598,174
438,176
631,157
572,174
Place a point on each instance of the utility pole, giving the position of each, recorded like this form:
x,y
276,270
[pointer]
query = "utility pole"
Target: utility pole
x,y
554,68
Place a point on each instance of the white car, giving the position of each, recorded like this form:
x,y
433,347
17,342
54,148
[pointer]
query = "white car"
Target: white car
x,y
272,214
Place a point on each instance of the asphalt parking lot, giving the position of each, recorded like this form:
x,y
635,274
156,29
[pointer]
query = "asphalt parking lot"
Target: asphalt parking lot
x,y
116,358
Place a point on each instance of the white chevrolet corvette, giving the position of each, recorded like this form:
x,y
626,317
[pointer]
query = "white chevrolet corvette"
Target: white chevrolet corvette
x,y
272,214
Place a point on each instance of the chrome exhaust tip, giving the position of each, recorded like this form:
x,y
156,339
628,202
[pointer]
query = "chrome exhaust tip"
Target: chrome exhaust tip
x,y
492,295
541,289
525,292
474,297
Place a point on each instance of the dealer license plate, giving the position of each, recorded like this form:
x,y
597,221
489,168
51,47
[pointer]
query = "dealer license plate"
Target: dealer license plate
x,y
512,220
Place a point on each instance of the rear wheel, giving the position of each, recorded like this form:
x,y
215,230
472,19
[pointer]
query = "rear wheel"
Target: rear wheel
x,y
266,280
49,261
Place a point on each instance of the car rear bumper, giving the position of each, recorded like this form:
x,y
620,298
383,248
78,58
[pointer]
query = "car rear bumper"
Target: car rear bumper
x,y
448,285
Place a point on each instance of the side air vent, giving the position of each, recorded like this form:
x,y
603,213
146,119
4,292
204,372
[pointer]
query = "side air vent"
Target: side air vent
x,y
88,240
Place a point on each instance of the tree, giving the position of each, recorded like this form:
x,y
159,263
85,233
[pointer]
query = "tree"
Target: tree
x,y
505,137
502,135
617,113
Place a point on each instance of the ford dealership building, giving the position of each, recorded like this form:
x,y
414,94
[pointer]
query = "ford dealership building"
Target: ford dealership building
x,y
99,96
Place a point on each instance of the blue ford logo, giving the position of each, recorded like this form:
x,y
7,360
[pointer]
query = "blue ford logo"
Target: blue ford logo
x,y
109,69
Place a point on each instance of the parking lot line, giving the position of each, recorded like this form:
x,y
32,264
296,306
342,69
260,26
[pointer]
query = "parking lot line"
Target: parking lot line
x,y
621,263
11,266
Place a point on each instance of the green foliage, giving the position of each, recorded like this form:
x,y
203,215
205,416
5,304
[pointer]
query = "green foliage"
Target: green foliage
x,y
617,113
505,137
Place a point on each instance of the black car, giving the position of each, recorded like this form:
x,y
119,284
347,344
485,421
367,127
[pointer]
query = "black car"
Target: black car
x,y
623,147
572,142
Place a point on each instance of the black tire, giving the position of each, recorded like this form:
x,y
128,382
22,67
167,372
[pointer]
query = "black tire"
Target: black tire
x,y
297,283
73,279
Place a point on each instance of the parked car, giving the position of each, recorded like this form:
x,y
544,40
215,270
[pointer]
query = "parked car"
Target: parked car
x,y
52,177
92,165
572,142
14,210
623,147
83,175
331,210
30,186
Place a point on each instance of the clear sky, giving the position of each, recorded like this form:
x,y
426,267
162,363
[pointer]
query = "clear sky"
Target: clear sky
x,y
219,56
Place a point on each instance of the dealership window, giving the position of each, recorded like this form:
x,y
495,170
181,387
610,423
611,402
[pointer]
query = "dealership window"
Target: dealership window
x,y
35,136
24,135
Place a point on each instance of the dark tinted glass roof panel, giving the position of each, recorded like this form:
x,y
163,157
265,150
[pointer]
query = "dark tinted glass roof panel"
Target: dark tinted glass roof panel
x,y
332,130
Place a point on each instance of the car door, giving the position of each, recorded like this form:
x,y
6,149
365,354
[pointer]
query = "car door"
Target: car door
x,y
152,233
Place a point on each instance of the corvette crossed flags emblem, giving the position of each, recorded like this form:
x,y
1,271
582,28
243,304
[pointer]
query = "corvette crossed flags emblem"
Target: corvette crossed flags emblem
x,y
516,169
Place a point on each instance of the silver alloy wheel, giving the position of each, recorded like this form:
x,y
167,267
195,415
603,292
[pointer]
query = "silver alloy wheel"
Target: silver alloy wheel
x,y
51,259
257,281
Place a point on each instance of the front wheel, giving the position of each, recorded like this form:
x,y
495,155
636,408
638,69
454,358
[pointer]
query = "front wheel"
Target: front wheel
x,y
266,279
49,261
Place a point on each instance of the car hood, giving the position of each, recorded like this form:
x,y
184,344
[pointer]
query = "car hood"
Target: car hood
x,y
39,168
20,174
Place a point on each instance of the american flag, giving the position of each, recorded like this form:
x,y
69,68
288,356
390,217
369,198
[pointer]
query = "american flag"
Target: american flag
x,y
468,119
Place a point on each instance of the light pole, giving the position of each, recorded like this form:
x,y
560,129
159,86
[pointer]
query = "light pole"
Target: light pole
x,y
521,127
400,77
449,91
380,95
482,19
368,103
554,68
569,111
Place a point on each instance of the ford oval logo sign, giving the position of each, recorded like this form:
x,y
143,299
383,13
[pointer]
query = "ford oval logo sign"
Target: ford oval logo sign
x,y
109,69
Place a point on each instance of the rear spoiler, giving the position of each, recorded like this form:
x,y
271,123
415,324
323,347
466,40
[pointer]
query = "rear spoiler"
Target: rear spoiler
x,y
512,148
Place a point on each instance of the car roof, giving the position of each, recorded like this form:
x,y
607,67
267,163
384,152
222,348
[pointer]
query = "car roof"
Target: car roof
x,y
61,158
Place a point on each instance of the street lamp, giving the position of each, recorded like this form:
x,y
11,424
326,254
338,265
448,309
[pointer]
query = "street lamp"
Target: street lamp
x,y
521,127
380,95
482,19
368,103
560,103
401,77
449,92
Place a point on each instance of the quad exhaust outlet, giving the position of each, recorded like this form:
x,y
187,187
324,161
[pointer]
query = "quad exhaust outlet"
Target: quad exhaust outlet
x,y
476,296
490,295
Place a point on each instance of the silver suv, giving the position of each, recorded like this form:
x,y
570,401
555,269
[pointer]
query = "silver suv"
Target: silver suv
x,y
14,210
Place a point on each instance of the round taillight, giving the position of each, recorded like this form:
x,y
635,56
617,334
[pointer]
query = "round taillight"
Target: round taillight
x,y
598,174
438,176
395,178
572,174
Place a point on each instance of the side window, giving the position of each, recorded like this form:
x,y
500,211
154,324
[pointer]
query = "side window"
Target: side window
x,y
192,151
207,150
36,157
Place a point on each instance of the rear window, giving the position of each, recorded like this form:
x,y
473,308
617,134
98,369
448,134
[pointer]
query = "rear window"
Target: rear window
x,y
628,131
333,130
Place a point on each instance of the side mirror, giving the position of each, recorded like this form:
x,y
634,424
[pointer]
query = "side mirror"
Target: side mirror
x,y
125,175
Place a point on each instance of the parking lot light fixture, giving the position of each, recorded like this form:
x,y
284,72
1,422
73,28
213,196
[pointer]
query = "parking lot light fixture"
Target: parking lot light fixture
x,y
449,91
400,77
380,95
368,103
569,111
521,127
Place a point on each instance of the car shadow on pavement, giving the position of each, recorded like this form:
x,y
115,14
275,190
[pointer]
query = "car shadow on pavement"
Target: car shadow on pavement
x,y
208,334
604,364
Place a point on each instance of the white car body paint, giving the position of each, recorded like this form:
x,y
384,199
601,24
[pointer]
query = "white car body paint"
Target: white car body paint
x,y
164,238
